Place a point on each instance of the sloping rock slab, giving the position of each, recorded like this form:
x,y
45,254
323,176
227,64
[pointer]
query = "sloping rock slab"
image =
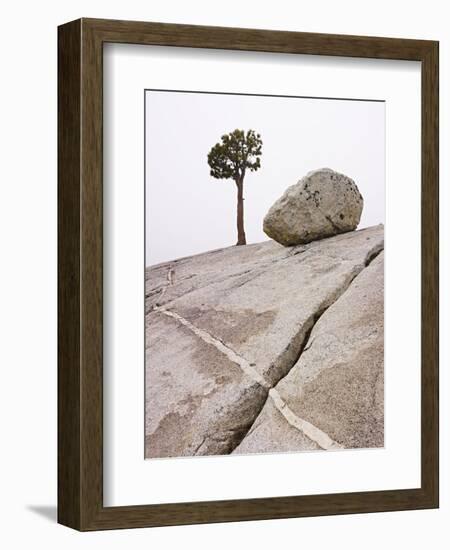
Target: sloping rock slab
x,y
198,401
336,389
224,327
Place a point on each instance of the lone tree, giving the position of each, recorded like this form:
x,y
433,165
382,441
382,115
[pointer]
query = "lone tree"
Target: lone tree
x,y
229,159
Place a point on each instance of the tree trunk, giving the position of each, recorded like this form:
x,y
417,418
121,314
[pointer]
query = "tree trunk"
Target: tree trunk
x,y
240,212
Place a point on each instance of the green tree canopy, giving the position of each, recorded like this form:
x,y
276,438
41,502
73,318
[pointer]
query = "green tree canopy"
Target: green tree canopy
x,y
237,152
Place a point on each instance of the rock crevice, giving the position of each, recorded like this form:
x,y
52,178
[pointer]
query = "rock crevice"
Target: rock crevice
x,y
316,435
336,385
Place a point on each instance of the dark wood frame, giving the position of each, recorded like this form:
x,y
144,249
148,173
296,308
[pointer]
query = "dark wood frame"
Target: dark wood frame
x,y
80,272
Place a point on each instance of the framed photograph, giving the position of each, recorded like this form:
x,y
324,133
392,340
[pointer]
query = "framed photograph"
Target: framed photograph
x,y
248,274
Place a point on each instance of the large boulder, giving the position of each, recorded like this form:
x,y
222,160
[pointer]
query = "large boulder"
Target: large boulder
x,y
323,203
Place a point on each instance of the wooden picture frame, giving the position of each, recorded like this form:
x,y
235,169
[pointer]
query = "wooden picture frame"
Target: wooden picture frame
x,y
80,272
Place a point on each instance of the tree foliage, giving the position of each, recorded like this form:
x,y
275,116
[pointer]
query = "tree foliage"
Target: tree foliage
x,y
237,152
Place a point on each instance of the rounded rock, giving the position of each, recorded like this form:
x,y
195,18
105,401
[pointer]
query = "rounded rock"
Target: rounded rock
x,y
322,204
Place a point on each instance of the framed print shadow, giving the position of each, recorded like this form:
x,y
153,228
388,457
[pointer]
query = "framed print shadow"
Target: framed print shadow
x,y
247,274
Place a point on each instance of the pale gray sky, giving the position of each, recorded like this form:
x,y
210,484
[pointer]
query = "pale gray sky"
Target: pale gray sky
x,y
188,211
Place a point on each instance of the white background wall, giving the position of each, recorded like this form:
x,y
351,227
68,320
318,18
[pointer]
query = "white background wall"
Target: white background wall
x,y
28,273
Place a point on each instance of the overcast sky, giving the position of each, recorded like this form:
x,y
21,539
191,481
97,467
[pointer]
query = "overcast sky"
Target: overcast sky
x,y
188,211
